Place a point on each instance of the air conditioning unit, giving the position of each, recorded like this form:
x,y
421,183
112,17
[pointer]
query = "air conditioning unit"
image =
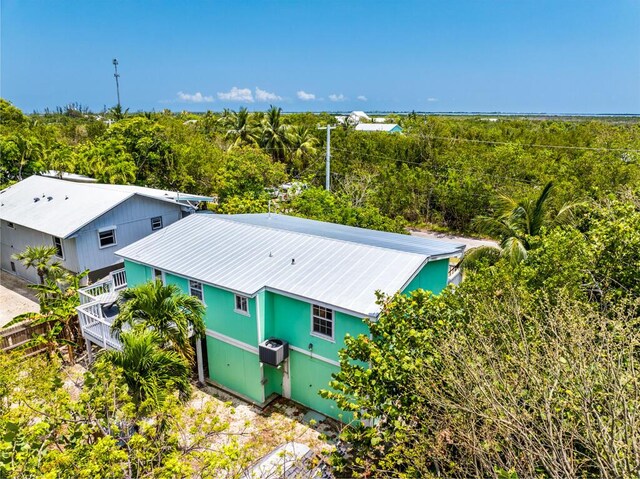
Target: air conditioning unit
x,y
273,351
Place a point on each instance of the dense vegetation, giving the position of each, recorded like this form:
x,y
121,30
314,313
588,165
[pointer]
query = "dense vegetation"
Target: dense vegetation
x,y
441,171
527,369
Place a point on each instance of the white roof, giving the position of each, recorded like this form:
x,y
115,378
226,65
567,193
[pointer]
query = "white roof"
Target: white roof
x,y
230,253
360,114
60,208
376,126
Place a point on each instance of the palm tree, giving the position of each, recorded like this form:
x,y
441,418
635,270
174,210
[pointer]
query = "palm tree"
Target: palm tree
x,y
302,145
150,371
30,151
39,257
240,129
517,223
164,309
274,133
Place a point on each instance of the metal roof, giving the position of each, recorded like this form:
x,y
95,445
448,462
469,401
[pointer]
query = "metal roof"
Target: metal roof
x,y
247,258
407,243
60,208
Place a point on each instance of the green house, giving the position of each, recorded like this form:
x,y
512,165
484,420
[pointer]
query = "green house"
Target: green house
x,y
303,282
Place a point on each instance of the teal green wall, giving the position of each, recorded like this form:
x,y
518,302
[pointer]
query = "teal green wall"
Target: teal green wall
x,y
290,319
222,318
235,369
273,376
136,273
432,277
308,376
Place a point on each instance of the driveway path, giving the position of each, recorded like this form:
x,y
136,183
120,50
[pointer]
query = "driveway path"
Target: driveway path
x,y
15,298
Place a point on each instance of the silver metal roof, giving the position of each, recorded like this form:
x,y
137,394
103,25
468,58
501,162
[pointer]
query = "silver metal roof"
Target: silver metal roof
x,y
382,239
246,258
63,207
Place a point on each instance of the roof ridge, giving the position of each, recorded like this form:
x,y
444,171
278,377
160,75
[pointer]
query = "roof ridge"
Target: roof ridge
x,y
317,235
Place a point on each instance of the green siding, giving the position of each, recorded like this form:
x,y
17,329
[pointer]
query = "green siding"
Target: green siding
x,y
290,319
433,277
273,376
222,318
308,376
235,369
137,273
179,281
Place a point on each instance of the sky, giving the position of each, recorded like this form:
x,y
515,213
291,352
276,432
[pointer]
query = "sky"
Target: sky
x,y
543,56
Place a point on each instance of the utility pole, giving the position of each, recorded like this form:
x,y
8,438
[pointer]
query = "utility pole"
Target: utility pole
x,y
327,181
117,75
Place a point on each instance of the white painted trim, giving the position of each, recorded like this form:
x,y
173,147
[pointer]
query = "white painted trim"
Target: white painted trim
x,y
233,342
258,316
319,303
314,356
115,237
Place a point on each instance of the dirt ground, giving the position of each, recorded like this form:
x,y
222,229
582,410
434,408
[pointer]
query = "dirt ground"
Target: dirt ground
x,y
263,429
15,298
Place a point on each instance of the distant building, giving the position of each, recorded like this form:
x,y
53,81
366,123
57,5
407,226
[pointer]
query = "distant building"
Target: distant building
x,y
85,222
354,118
388,127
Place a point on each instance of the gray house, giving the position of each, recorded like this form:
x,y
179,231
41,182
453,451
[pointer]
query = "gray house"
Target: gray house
x,y
86,222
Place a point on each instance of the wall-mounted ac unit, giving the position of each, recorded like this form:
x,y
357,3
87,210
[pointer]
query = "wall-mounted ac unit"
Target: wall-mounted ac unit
x,y
273,351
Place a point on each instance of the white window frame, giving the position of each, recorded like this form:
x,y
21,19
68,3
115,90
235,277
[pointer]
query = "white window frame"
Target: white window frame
x,y
55,245
11,225
246,302
115,237
333,323
199,287
156,218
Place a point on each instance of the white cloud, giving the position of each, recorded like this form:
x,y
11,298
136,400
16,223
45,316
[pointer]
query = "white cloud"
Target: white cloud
x,y
303,95
431,99
334,97
237,94
196,97
262,95
362,98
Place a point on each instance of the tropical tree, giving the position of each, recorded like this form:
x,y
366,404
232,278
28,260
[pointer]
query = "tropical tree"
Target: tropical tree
x,y
516,224
150,371
166,310
302,145
240,130
274,134
40,258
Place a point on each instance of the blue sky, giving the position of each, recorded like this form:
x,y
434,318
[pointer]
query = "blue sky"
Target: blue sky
x,y
552,56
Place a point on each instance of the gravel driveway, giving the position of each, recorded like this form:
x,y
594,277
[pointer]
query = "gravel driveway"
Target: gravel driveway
x,y
15,298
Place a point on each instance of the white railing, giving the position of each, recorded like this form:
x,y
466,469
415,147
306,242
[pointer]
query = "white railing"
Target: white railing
x,y
119,278
95,327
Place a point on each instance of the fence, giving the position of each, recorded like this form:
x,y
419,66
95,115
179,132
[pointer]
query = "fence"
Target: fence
x,y
18,335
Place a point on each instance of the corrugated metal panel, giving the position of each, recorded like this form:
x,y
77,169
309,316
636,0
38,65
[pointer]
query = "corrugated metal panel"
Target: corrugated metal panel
x,y
376,126
72,205
382,239
247,258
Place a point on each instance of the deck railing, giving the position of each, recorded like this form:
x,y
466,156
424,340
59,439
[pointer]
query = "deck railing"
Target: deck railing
x,y
95,326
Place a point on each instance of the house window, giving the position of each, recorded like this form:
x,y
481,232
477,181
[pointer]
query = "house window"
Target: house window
x,y
57,243
195,289
157,276
13,266
242,304
322,322
107,238
11,225
156,223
